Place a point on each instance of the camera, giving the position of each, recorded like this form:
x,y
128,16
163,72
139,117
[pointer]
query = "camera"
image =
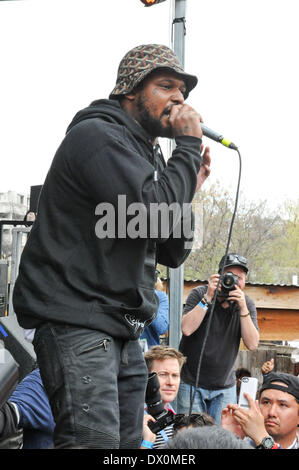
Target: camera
x,y
228,282
155,405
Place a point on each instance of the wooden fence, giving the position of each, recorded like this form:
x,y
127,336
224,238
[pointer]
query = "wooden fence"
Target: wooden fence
x,y
253,360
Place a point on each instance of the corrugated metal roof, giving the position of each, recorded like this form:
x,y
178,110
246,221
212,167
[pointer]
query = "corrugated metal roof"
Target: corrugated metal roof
x,y
248,283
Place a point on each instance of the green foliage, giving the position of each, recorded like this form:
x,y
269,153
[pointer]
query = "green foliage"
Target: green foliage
x,y
291,215
287,247
251,231
270,241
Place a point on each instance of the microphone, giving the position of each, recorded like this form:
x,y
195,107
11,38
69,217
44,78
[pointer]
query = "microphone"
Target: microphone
x,y
217,137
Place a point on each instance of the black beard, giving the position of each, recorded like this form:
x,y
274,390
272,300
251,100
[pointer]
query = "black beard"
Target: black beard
x,y
152,125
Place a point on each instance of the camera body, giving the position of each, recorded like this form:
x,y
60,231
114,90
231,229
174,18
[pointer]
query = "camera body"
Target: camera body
x,y
155,405
228,282
165,420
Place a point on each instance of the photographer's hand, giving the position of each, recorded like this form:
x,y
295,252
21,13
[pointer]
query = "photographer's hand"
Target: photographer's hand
x,y
193,319
229,422
237,295
251,420
249,333
147,434
213,281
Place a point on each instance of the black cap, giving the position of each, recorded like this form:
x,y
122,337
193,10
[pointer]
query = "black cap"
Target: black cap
x,y
291,383
233,259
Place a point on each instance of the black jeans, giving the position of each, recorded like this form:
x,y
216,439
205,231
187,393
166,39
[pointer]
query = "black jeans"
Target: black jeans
x,y
95,384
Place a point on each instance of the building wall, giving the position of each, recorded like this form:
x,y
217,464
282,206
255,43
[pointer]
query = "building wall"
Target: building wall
x,y
13,206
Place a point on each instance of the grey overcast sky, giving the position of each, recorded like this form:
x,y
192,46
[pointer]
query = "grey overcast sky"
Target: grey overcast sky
x,y
59,55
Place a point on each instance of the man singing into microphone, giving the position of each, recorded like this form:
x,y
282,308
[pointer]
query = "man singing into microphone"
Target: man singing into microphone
x,y
89,296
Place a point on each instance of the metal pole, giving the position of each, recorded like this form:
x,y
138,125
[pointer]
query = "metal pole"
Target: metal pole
x,y
17,235
176,276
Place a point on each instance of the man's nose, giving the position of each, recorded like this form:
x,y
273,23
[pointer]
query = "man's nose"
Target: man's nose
x,y
177,97
273,410
170,379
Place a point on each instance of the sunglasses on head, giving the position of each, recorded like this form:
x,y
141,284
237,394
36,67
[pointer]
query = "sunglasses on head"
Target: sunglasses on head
x,y
239,258
198,419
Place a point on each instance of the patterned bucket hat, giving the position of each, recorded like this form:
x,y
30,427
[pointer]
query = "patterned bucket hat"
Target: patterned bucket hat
x,y
141,61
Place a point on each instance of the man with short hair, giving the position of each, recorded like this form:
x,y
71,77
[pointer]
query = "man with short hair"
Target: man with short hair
x,y
87,272
234,318
273,422
167,363
207,437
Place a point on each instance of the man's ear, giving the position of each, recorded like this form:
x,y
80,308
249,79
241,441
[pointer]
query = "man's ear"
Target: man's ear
x,y
130,96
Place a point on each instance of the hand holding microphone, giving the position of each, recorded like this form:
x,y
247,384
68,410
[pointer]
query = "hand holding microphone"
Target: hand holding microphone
x,y
184,121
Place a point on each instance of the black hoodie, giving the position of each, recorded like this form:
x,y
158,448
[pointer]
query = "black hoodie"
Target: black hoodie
x,y
67,273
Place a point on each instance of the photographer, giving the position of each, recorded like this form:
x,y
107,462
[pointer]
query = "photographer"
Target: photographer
x,y
167,363
234,317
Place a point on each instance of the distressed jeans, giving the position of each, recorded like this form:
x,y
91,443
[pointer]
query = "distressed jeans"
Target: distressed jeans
x,y
211,402
95,385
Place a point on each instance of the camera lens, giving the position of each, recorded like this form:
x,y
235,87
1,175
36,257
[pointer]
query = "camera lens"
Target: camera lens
x,y
152,396
228,280
228,283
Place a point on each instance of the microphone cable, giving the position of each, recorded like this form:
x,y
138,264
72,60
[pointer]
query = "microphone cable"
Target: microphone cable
x,y
192,395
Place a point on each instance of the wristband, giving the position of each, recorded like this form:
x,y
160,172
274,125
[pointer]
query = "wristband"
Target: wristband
x,y
204,303
203,306
147,444
245,315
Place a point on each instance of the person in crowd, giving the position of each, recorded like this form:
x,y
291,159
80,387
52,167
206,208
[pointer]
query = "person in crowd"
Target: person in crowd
x,y
272,422
267,367
166,362
207,437
194,420
151,335
26,419
87,272
234,318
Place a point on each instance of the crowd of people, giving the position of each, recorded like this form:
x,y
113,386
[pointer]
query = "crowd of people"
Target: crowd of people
x,y
88,297
270,422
